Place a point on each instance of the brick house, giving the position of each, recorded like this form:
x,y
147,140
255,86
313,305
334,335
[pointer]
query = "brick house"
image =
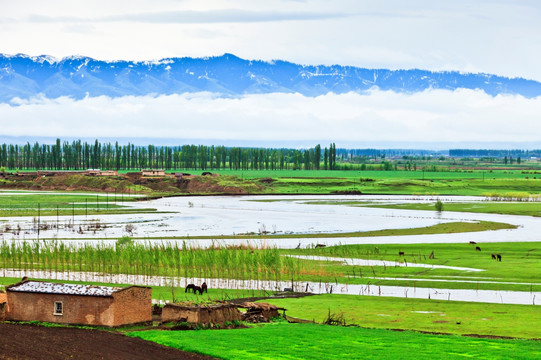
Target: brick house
x,y
78,304
3,305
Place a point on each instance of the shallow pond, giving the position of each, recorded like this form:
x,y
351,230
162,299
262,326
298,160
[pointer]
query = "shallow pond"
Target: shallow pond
x,y
233,215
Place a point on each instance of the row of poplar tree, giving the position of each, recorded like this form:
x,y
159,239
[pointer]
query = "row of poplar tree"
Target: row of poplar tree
x,y
79,155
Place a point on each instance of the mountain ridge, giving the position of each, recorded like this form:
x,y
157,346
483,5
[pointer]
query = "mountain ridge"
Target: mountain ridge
x,y
23,76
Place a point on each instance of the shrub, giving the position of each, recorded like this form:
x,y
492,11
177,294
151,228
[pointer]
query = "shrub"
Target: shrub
x,y
439,206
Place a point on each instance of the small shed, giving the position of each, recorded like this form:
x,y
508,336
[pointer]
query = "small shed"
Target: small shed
x,y
78,304
202,314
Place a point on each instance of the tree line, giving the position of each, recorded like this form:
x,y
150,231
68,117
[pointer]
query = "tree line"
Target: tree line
x,y
79,155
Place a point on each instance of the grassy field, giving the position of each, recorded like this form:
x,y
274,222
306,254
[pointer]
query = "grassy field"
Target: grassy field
x,y
64,204
508,208
311,341
380,175
460,182
403,186
451,317
519,267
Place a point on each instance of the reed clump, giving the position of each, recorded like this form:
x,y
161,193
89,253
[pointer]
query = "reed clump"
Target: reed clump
x,y
169,259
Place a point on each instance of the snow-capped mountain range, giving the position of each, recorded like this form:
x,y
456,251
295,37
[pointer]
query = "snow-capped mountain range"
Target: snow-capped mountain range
x,y
24,77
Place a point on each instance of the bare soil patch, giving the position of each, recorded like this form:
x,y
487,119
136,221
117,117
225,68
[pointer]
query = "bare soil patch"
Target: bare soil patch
x,y
19,341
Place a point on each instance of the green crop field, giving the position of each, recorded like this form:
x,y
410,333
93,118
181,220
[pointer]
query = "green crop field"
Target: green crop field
x,y
310,341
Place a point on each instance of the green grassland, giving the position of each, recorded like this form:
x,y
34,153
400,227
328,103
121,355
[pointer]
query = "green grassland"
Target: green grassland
x,y
501,207
470,182
453,317
381,175
65,204
520,264
311,341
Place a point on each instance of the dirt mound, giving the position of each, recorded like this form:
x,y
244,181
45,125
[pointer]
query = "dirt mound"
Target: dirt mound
x,y
36,342
217,185
203,187
260,312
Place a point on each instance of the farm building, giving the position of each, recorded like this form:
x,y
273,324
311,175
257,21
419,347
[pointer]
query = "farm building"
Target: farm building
x,y
98,172
78,304
203,314
152,172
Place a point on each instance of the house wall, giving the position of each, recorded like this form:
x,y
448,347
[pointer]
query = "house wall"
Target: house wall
x,y
3,306
91,310
132,305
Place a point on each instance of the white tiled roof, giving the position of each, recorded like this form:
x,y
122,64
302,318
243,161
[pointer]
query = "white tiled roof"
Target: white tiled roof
x,y
67,289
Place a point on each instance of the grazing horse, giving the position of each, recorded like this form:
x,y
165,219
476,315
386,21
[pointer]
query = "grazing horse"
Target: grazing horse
x,y
195,289
400,253
499,257
204,288
477,248
493,257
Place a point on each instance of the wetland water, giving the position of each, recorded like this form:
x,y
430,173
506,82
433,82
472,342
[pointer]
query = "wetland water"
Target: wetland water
x,y
230,215
486,296
233,215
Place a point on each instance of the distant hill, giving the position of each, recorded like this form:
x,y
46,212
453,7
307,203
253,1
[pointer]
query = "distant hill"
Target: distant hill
x,y
25,76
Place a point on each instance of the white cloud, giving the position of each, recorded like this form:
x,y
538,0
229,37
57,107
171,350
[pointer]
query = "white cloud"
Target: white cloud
x,y
354,120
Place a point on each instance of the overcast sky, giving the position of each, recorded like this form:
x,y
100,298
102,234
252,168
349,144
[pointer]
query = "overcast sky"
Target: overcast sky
x,y
491,36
